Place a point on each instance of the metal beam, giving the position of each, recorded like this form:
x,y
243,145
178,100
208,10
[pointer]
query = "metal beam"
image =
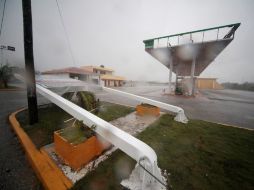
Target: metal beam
x,y
236,25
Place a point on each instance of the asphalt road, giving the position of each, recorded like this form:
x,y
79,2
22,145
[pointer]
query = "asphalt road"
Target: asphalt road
x,y
15,171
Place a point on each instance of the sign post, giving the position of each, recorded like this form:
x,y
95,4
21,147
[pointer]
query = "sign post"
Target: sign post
x,y
29,61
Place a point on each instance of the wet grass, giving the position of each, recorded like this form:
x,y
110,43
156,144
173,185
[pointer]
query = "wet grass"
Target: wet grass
x,y
108,175
199,155
9,87
109,111
51,118
74,135
148,105
203,155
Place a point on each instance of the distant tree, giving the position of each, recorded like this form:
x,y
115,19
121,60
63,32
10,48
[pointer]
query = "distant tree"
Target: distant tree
x,y
236,86
5,75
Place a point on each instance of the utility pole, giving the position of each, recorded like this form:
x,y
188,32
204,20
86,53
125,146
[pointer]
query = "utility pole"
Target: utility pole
x,y
29,62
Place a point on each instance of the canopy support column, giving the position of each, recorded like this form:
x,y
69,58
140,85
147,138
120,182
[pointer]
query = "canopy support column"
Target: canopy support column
x,y
192,93
170,76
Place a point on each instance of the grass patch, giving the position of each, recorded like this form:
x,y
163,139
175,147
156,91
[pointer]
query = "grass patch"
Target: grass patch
x,y
74,135
109,111
77,133
199,155
9,87
148,105
108,175
51,118
203,155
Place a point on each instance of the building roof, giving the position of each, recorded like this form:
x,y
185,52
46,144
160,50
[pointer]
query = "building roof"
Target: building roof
x,y
72,70
111,77
97,68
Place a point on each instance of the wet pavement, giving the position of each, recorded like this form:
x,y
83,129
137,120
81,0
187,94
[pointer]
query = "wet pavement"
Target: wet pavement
x,y
15,170
232,107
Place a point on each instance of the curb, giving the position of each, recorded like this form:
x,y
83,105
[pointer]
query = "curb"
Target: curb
x,y
68,182
227,125
50,176
11,89
234,126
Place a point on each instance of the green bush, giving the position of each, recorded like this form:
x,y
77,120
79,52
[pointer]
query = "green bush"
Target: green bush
x,y
86,100
5,75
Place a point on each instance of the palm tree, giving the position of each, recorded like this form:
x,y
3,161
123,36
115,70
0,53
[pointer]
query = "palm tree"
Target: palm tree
x,y
5,75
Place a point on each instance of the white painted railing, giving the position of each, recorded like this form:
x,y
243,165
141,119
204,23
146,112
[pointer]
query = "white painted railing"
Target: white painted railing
x,y
127,143
180,116
132,146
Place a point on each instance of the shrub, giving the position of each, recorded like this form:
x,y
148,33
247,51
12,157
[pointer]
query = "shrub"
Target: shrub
x,y
5,75
86,100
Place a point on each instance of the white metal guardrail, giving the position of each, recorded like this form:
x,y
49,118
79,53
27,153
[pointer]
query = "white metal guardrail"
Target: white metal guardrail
x,y
127,143
132,146
180,116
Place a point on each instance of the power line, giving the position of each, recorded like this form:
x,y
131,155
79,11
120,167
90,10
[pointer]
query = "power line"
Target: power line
x,y
2,20
66,34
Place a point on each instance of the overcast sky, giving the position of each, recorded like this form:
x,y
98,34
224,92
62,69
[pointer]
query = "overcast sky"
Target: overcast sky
x,y
111,33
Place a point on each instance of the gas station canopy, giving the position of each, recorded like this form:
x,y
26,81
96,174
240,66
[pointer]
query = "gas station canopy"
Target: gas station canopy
x,y
188,54
199,45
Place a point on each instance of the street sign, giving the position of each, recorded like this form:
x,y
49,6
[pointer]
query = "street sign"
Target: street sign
x,y
10,48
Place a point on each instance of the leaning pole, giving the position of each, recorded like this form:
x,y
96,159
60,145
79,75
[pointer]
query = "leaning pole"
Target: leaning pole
x,y
29,62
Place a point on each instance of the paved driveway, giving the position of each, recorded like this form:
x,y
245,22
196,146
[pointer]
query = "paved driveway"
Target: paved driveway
x,y
15,171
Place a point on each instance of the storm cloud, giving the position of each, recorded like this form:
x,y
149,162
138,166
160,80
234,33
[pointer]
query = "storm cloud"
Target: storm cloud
x,y
111,32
